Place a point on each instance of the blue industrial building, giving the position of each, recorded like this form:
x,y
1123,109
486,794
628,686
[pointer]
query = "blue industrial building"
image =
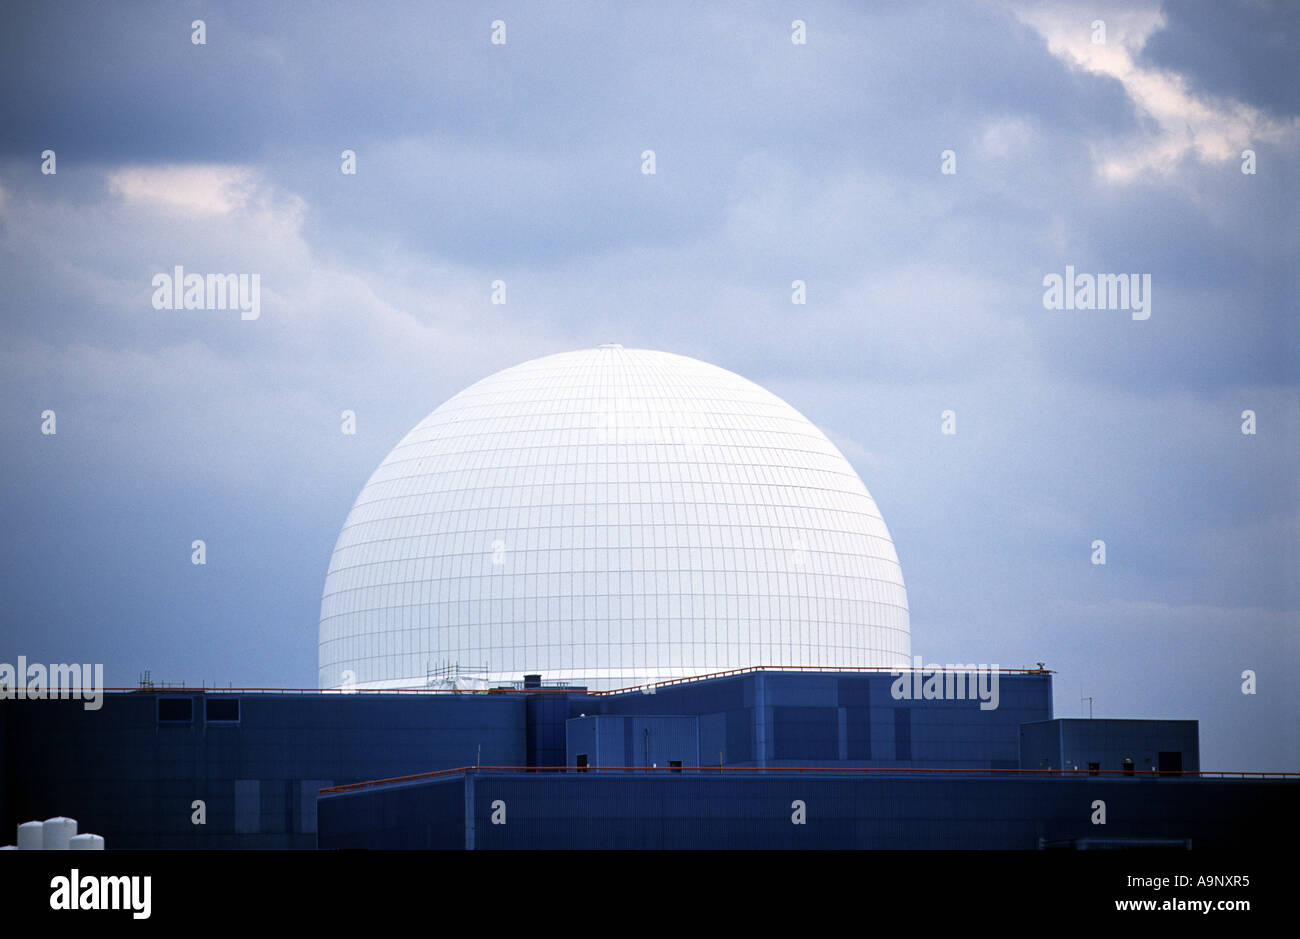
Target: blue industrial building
x,y
1127,745
814,718
843,809
133,770
712,762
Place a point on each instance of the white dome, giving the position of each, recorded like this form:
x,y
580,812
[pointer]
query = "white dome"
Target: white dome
x,y
609,517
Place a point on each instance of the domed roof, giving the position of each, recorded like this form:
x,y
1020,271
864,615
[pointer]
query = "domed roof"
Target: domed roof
x,y
608,517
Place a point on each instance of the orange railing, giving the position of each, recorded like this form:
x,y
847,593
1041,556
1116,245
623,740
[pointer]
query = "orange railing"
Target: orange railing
x,y
893,670
210,689
838,770
159,688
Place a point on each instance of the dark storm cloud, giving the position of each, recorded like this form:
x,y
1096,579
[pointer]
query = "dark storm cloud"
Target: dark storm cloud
x,y
1246,50
542,142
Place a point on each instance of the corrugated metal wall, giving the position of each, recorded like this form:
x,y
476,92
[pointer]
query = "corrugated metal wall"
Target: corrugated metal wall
x,y
703,811
626,740
1074,743
810,719
123,774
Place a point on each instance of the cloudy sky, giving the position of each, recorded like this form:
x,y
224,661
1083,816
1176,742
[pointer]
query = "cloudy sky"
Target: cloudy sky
x,y
775,162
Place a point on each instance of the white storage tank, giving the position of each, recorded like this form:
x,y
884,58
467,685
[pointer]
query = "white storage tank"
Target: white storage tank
x,y
58,832
31,836
86,842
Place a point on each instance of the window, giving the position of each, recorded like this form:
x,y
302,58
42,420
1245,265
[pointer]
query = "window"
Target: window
x,y
1094,769
580,761
675,765
221,710
175,710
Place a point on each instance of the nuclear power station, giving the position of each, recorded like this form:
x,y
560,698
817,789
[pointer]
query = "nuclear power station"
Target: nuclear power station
x,y
621,598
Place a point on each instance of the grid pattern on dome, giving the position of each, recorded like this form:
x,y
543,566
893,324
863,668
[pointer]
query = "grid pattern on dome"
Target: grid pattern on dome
x,y
610,516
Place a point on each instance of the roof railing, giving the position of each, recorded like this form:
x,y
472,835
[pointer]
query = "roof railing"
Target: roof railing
x,y
159,687
829,770
750,669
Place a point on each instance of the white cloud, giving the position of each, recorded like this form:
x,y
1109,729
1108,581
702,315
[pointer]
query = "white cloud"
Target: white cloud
x,y
1177,121
205,188
390,340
